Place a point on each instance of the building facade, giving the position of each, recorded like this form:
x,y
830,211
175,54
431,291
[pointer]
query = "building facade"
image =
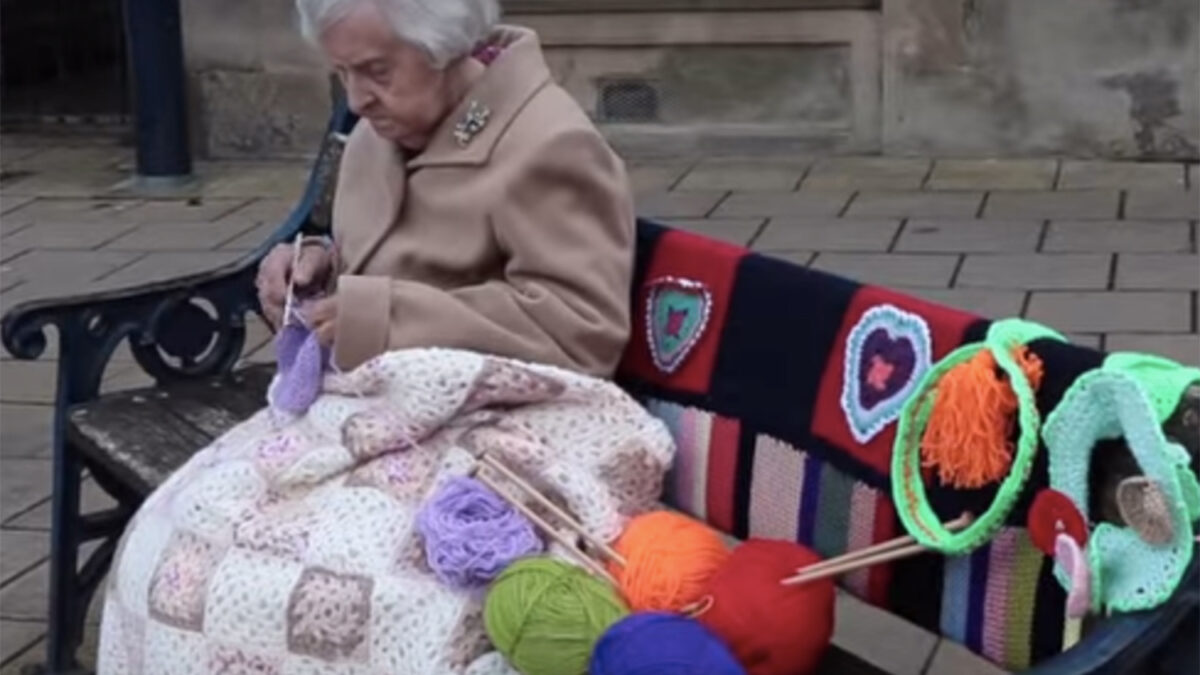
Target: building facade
x,y
1079,78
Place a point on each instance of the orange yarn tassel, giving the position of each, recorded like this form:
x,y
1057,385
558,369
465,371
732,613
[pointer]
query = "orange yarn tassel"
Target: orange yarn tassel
x,y
969,434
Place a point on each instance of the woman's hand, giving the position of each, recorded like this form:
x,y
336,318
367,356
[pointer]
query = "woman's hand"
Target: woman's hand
x,y
313,269
322,319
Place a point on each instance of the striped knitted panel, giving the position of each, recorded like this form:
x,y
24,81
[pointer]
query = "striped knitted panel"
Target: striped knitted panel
x,y
791,495
993,602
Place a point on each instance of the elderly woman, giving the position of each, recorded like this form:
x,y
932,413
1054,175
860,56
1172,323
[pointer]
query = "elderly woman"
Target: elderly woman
x,y
474,299
477,206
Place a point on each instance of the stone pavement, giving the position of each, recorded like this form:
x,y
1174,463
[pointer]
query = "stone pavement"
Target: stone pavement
x,y
1104,251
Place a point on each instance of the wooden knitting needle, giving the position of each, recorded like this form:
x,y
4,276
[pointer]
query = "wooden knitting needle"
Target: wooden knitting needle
x,y
570,522
899,542
843,568
901,547
549,529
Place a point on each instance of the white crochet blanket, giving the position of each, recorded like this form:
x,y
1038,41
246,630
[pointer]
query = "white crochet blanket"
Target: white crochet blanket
x,y
288,546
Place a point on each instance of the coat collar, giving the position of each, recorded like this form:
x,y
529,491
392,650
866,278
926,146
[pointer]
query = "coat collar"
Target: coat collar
x,y
371,188
506,86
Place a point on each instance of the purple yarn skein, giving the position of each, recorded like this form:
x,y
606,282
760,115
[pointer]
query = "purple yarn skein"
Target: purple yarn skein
x,y
472,534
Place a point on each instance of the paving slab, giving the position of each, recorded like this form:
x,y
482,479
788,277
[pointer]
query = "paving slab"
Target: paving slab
x,y
12,203
1113,311
26,482
1182,347
867,173
70,159
97,184
784,204
828,234
75,210
196,210
28,382
1165,236
169,265
744,175
92,498
1088,174
16,637
914,204
237,179
253,238
909,270
647,176
678,204
180,236
881,639
951,658
969,236
267,211
21,551
66,235
1093,340
1169,204
994,304
992,174
1065,205
738,231
69,268
1155,271
25,430
1036,271
799,258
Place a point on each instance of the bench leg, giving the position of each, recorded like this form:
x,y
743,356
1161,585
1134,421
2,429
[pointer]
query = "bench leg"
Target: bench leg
x,y
73,587
65,617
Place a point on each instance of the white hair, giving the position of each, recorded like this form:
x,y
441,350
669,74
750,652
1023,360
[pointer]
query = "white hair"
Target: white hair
x,y
444,29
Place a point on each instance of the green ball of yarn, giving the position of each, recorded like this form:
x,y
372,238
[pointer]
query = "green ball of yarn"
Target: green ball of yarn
x,y
545,616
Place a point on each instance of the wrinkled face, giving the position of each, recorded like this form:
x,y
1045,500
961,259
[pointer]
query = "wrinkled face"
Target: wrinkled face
x,y
389,83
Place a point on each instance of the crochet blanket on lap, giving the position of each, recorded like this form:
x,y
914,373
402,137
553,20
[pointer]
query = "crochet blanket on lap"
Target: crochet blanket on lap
x,y
289,545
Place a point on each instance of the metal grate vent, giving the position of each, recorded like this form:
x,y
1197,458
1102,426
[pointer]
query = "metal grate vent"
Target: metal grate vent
x,y
628,101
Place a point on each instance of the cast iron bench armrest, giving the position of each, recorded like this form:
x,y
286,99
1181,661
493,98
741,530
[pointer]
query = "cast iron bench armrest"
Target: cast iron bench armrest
x,y
180,328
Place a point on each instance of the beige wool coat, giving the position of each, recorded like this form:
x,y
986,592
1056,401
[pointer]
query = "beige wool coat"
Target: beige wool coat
x,y
518,242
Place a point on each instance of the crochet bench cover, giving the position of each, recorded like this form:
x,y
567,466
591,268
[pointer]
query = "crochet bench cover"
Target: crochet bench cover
x,y
782,386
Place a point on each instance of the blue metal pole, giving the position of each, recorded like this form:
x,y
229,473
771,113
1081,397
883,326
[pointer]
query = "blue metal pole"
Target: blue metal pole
x,y
155,47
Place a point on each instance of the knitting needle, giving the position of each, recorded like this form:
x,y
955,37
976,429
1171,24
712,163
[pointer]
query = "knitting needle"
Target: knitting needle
x,y
550,530
291,285
859,563
953,526
579,529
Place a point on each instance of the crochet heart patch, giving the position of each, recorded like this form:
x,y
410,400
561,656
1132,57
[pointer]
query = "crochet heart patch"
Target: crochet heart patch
x,y
887,353
677,314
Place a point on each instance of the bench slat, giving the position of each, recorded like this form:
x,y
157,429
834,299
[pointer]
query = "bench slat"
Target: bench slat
x,y
141,437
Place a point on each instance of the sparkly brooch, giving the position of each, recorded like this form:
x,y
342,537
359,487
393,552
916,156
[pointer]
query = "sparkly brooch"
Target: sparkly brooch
x,y
677,312
474,122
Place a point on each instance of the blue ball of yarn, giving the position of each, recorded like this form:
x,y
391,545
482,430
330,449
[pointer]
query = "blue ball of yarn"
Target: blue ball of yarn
x,y
658,643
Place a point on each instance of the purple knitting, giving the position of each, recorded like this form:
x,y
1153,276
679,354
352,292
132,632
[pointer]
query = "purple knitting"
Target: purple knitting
x,y
301,367
472,534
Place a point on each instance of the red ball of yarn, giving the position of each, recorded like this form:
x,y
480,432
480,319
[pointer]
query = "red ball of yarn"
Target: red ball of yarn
x,y
772,629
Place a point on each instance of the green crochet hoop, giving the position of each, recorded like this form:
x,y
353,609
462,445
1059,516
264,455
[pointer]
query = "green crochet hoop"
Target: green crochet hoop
x,y
908,490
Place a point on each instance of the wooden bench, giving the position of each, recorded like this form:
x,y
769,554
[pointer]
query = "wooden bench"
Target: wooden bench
x,y
189,334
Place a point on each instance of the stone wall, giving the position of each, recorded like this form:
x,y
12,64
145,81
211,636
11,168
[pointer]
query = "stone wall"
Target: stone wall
x,y
1086,78
1082,78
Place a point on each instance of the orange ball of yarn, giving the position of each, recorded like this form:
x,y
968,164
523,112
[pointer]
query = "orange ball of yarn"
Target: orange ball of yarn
x,y
669,560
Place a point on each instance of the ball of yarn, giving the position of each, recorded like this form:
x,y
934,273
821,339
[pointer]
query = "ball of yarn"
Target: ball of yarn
x,y
471,534
669,559
659,643
773,629
545,615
